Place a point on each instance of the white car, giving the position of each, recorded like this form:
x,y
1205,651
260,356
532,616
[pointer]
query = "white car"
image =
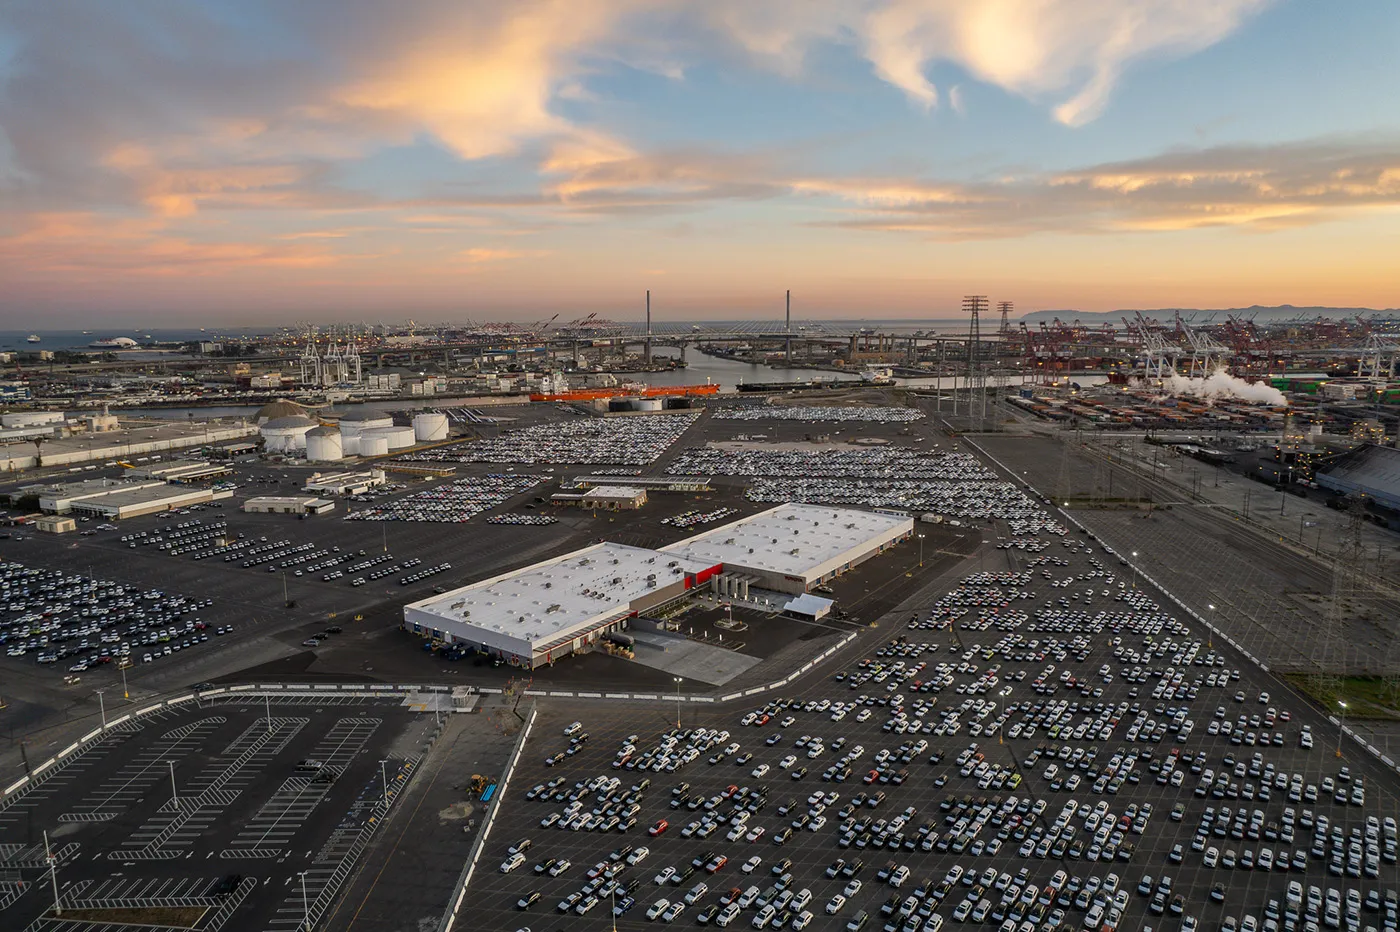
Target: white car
x,y
788,761
638,856
657,908
760,770
802,920
834,905
512,862
666,874
751,864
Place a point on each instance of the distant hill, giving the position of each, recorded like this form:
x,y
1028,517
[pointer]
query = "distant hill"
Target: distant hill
x,y
1257,312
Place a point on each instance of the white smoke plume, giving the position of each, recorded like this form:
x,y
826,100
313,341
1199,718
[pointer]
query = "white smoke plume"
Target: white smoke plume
x,y
1220,385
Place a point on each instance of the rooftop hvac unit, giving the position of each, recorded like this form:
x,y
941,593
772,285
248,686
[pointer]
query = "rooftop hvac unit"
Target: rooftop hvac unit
x,y
617,580
553,608
673,563
549,585
651,584
652,560
730,540
651,576
616,561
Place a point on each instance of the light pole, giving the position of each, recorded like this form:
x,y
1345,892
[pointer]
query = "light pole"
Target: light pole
x,y
1210,630
1135,553
678,702
921,549
126,694
267,709
305,903
174,795
102,707
53,874
384,779
1341,725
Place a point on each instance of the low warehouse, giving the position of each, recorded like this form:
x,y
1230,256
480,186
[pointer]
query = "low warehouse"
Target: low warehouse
x,y
288,505
132,503
343,483
538,614
604,498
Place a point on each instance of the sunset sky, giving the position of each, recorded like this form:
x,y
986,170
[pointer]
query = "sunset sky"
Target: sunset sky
x,y
262,161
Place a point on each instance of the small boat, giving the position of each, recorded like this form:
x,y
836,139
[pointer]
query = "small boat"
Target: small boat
x,y
32,338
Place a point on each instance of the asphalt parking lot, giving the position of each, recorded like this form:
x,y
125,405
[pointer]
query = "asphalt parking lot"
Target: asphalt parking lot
x,y
1117,741
217,810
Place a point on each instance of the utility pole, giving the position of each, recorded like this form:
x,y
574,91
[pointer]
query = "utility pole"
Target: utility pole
x,y
267,710
384,778
102,707
174,794
305,903
678,702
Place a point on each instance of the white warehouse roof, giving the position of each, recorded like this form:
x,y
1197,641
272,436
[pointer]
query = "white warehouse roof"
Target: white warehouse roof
x,y
794,539
549,601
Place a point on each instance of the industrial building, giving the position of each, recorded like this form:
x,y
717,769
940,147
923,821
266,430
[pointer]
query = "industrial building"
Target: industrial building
x,y
650,483
288,505
604,498
134,440
55,524
1372,470
181,471
793,547
132,502
343,483
543,612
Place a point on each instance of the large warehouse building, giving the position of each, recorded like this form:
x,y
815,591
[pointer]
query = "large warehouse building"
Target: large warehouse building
x,y
793,547
543,612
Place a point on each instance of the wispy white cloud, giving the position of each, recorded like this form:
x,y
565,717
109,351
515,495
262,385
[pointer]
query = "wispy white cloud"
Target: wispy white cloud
x,y
1073,51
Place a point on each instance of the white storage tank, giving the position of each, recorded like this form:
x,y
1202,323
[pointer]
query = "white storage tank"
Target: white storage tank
x,y
400,438
349,444
323,445
286,434
357,422
373,444
430,426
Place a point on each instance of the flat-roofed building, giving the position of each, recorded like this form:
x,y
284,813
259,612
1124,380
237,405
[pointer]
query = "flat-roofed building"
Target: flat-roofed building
x,y
540,613
793,547
289,505
344,483
55,524
134,502
604,498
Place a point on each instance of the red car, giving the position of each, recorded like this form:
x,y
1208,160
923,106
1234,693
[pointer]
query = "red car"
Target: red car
x,y
660,826
715,863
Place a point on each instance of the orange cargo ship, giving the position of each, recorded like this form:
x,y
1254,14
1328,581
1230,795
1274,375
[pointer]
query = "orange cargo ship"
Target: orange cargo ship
x,y
627,391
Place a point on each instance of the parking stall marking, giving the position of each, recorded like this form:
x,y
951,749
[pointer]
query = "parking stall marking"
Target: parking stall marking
x,y
177,825
131,781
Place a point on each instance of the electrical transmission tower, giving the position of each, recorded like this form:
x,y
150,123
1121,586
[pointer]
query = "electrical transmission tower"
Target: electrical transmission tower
x,y
975,306
1005,308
